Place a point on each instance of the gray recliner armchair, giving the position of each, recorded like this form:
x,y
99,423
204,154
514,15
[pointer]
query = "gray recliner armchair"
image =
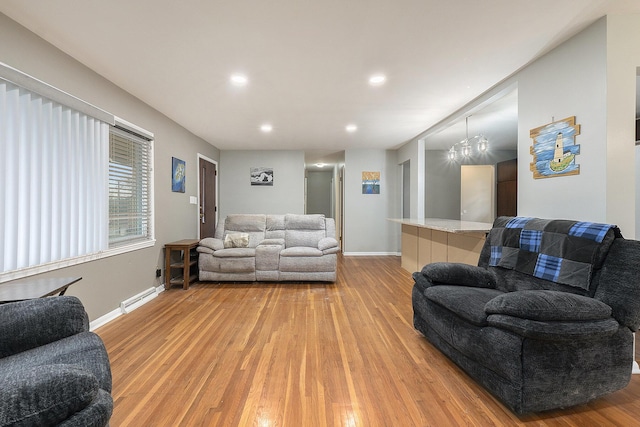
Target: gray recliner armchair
x,y
53,370
546,319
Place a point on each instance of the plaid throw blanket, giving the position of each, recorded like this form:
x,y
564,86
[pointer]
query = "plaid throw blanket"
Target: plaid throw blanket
x,y
561,251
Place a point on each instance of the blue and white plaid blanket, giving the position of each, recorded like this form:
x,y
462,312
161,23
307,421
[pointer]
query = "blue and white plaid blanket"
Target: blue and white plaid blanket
x,y
561,251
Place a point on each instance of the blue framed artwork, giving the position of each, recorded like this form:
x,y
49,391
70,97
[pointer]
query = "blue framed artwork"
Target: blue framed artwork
x,y
178,169
370,182
554,149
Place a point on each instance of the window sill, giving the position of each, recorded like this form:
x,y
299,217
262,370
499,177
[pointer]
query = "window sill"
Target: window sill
x,y
43,268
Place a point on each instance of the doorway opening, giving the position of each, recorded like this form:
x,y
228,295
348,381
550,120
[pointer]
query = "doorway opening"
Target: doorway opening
x,y
207,196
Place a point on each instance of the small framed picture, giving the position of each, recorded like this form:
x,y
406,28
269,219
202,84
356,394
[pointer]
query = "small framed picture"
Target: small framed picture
x,y
261,176
178,169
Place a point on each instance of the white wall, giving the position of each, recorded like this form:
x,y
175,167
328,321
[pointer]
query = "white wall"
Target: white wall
x,y
367,230
109,281
237,195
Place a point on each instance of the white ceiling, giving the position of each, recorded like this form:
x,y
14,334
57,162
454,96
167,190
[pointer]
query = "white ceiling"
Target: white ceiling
x,y
308,61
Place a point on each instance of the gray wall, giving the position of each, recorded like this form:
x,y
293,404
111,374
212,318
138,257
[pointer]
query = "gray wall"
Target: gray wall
x,y
569,81
237,195
319,193
367,230
592,76
442,177
109,281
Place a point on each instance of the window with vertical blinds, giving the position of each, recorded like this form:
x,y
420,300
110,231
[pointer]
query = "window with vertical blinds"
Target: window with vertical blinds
x,y
53,169
74,187
130,207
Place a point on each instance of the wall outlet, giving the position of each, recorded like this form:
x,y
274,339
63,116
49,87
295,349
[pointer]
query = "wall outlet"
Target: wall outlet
x,y
158,272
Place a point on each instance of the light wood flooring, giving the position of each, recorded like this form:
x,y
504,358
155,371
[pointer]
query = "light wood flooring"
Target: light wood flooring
x,y
271,354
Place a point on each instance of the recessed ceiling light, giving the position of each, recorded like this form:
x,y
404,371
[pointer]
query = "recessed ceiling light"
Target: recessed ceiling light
x,y
377,79
320,165
239,80
351,128
266,128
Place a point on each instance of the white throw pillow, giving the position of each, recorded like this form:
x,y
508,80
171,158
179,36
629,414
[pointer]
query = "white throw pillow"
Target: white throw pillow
x,y
236,240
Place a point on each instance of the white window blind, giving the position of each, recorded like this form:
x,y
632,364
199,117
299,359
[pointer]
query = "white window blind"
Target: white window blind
x,y
53,174
130,203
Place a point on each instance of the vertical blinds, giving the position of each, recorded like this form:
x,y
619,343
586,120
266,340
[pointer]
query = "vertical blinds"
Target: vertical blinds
x,y
53,174
130,205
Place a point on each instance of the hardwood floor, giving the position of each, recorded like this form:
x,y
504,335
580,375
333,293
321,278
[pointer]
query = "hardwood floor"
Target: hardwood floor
x,y
343,354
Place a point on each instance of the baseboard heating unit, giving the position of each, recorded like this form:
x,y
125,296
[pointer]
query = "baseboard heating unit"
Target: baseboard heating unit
x,y
130,304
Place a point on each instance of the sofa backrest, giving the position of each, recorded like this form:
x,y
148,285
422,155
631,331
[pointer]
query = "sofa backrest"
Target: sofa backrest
x,y
617,283
614,275
275,227
252,224
304,230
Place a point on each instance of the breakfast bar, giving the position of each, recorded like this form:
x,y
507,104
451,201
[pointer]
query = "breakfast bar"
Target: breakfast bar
x,y
430,240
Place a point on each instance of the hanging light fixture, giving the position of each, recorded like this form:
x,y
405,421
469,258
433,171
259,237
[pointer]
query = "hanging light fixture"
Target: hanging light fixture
x,y
465,147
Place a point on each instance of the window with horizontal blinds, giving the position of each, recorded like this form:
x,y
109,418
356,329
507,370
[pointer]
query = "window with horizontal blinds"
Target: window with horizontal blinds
x,y
130,201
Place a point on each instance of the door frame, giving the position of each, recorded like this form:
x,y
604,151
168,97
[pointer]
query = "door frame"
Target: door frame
x,y
202,156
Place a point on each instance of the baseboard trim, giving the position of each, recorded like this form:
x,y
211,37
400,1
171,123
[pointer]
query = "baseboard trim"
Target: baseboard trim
x,y
371,253
114,314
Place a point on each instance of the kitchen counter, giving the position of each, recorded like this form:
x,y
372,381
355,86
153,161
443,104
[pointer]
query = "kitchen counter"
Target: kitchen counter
x,y
440,240
448,225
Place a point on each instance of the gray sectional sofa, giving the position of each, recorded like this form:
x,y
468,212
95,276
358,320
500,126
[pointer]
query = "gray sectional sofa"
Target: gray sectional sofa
x,y
256,247
546,319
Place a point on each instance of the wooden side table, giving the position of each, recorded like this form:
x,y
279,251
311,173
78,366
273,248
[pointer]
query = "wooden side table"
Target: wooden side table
x,y
187,265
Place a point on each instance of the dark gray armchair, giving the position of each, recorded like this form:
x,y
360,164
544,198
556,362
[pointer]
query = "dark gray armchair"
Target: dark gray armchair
x,y
53,370
546,319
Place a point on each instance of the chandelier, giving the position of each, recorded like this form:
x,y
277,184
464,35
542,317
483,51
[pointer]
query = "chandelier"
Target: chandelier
x,y
466,147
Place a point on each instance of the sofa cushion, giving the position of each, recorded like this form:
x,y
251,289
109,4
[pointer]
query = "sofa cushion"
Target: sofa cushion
x,y
235,253
304,230
304,222
545,305
44,395
246,223
236,240
300,251
252,224
466,302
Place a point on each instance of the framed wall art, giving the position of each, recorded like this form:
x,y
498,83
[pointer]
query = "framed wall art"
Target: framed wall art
x,y
554,149
370,182
178,168
261,176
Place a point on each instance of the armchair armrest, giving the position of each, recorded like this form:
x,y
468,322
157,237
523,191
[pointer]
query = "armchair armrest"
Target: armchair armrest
x,y
45,395
212,243
551,315
272,242
449,273
543,305
328,245
29,324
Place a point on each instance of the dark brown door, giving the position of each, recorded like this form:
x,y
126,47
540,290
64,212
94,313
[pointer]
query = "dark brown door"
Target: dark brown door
x,y
208,206
507,194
